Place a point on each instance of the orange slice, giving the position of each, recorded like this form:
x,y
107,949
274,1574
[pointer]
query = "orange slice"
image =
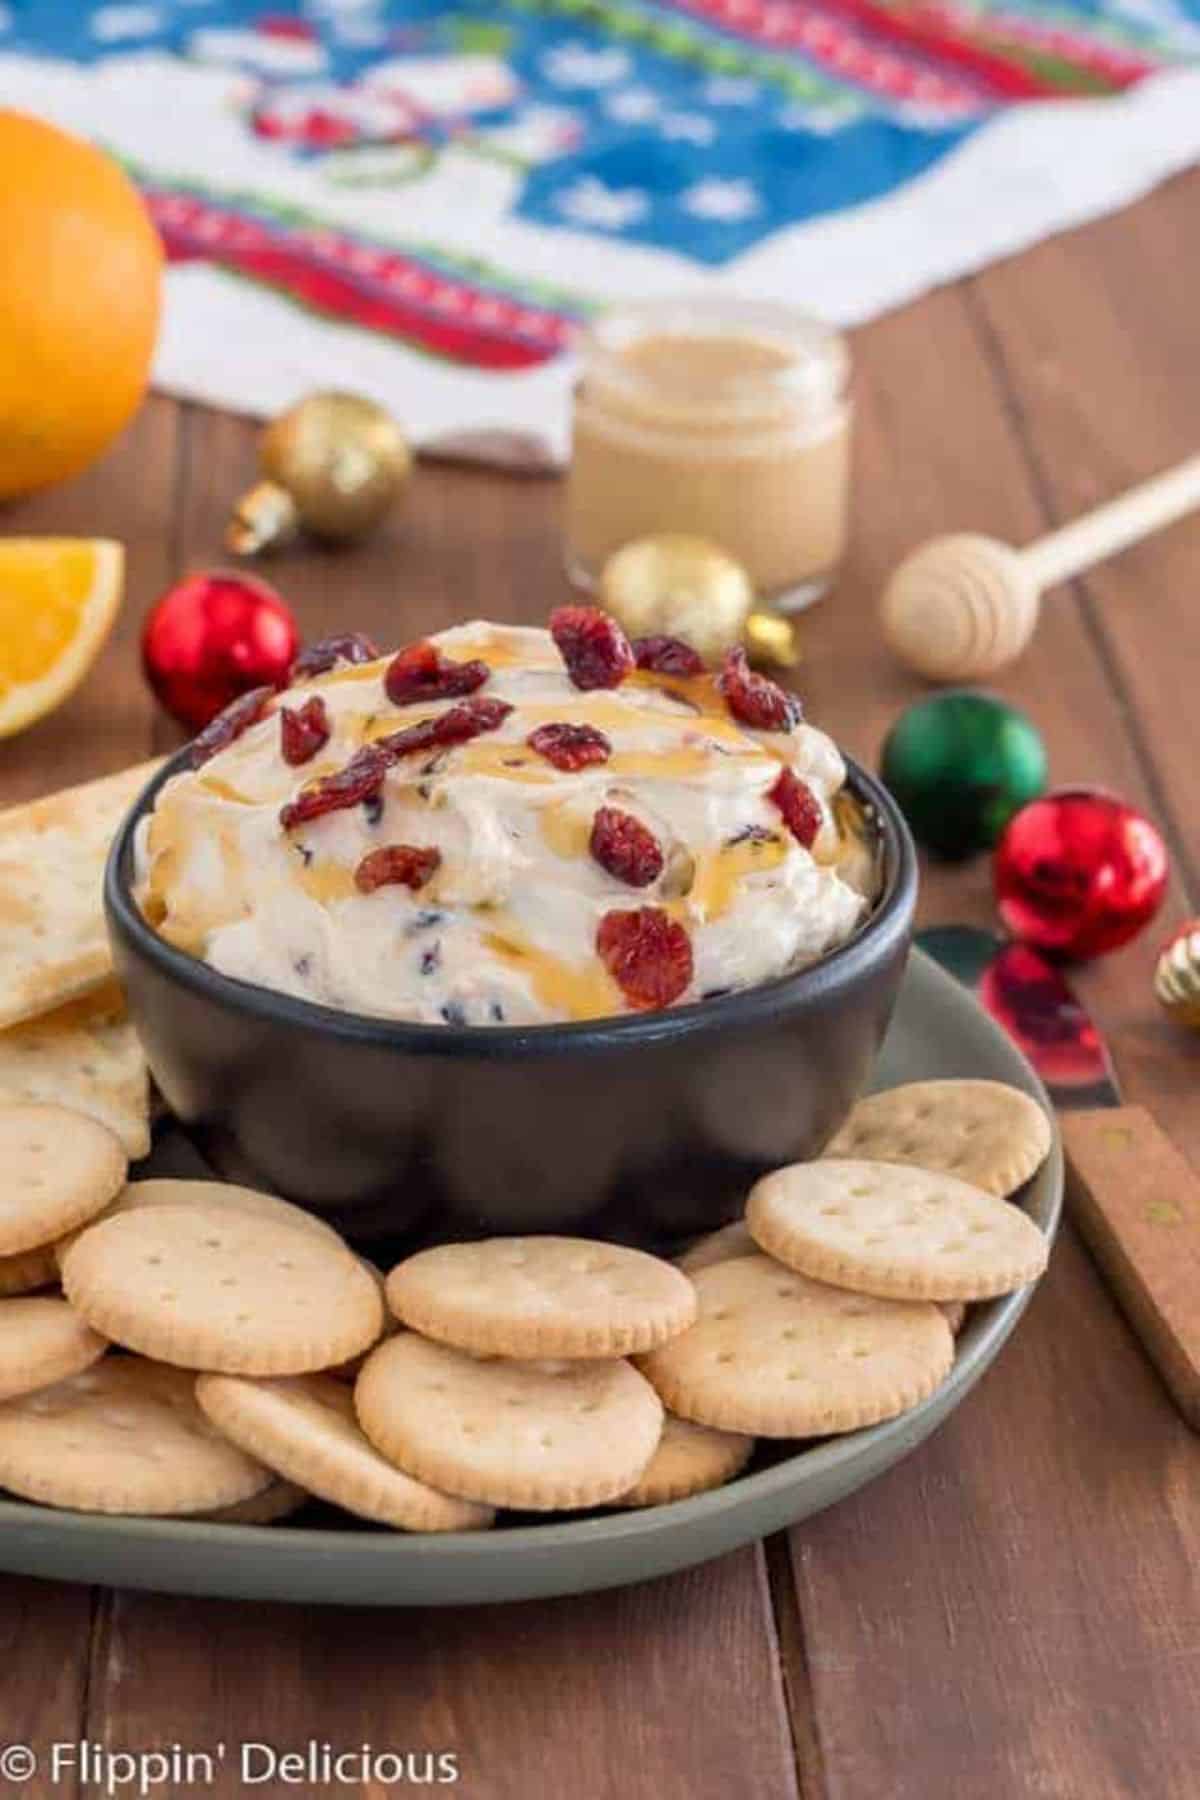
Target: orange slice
x,y
58,599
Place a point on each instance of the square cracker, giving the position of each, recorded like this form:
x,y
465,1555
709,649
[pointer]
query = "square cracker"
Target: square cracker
x,y
53,945
84,1055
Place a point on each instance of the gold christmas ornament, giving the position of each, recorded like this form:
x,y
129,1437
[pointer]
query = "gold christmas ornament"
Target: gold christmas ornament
x,y
689,588
1177,976
333,465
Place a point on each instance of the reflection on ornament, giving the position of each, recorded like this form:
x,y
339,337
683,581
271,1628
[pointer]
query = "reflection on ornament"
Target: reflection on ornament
x,y
959,765
1078,872
1177,976
212,637
1029,997
333,464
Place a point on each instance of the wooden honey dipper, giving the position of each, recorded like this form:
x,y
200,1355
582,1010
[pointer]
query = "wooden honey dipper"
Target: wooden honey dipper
x,y
965,606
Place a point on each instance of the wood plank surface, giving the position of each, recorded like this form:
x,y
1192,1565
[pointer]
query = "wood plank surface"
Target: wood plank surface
x,y
44,1633
1021,1606
671,1688
1013,1611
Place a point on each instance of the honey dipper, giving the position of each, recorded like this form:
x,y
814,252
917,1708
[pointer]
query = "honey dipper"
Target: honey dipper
x,y
965,606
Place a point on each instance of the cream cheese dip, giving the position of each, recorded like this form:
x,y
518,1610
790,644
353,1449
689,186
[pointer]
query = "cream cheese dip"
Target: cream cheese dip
x,y
512,875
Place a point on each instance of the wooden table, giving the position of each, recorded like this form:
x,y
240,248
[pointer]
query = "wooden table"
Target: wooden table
x,y
1014,1611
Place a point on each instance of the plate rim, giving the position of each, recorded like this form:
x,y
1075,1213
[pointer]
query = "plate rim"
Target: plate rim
x,y
283,1544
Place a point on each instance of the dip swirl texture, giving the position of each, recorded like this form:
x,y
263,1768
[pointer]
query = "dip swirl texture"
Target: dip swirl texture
x,y
502,925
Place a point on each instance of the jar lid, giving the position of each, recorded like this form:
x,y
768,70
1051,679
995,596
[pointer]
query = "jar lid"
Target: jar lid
x,y
718,356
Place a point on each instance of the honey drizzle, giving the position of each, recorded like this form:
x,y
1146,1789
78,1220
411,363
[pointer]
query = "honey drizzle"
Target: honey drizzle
x,y
570,991
189,928
224,790
720,873
326,881
566,830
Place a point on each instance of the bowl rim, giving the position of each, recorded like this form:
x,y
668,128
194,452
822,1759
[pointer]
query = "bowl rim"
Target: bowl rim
x,y
885,929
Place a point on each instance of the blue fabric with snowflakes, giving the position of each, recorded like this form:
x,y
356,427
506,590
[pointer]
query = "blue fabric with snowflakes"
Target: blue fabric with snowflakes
x,y
697,126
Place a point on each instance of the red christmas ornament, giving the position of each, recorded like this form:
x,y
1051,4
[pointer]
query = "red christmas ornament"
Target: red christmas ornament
x,y
1078,872
213,637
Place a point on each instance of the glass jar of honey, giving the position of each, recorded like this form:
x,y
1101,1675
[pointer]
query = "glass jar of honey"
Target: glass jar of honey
x,y
721,418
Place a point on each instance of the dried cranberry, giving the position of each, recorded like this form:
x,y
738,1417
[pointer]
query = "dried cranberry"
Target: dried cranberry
x,y
454,726
327,652
361,778
592,645
570,747
800,807
421,672
667,656
648,954
625,847
754,699
396,863
303,730
237,717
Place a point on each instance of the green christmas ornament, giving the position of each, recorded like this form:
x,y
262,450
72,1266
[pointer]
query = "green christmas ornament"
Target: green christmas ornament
x,y
959,765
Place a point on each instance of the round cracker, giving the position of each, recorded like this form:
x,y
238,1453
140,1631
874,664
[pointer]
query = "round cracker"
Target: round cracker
x,y
126,1436
167,1191
985,1132
28,1270
539,1436
222,1290
304,1427
906,1234
57,1168
717,1247
774,1354
542,1296
955,1314
690,1459
43,1341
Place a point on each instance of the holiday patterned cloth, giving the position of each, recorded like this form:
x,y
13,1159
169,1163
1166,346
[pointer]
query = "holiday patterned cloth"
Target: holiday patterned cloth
x,y
421,199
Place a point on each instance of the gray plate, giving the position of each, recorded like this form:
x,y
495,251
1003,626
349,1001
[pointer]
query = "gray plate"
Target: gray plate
x,y
938,1030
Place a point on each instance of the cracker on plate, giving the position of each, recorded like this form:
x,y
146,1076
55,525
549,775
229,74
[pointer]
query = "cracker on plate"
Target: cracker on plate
x,y
53,945
774,1354
985,1132
59,1169
84,1055
222,1289
898,1232
125,1436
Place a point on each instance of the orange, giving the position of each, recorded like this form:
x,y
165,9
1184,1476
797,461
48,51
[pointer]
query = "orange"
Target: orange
x,y
58,599
80,291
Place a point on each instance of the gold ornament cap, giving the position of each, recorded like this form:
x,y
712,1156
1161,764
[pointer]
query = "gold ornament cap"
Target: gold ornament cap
x,y
1177,976
264,518
339,459
771,640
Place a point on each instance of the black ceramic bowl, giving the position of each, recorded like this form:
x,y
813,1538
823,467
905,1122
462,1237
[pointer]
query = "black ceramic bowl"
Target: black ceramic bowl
x,y
645,1127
